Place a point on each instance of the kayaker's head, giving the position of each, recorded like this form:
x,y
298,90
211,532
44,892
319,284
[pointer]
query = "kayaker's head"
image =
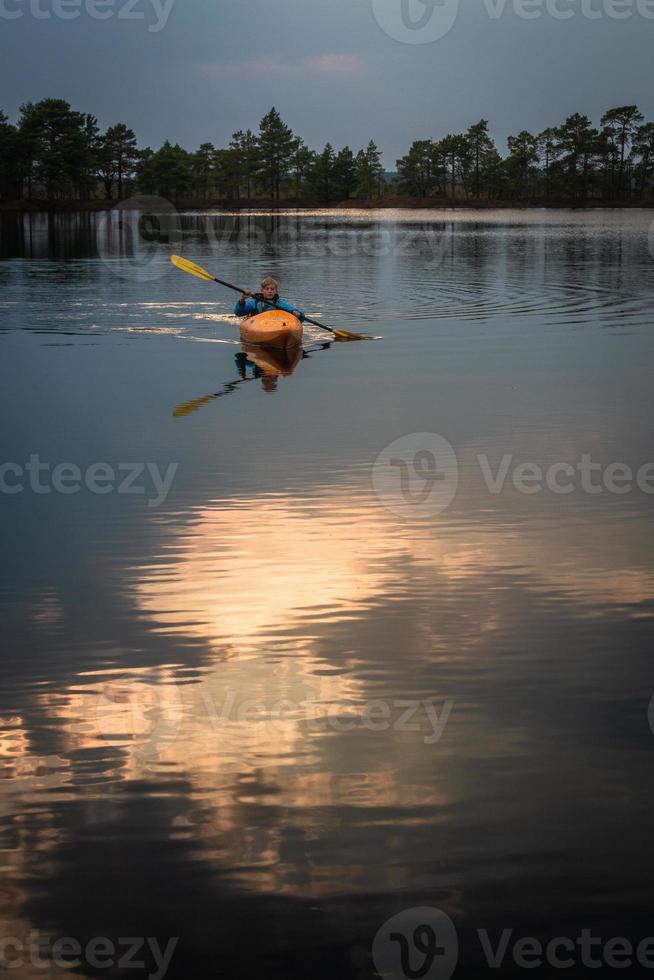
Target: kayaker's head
x,y
268,288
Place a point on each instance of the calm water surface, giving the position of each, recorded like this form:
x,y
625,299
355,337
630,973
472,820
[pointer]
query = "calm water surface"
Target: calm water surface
x,y
270,705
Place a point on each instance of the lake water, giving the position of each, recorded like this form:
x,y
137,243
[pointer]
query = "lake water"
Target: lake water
x,y
329,640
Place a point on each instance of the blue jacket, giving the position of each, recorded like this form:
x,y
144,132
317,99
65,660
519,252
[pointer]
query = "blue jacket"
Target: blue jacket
x,y
254,304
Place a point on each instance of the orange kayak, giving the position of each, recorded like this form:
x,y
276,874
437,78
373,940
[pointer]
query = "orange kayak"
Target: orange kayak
x,y
274,328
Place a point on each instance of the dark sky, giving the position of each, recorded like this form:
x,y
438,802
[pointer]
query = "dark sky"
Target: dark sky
x,y
196,70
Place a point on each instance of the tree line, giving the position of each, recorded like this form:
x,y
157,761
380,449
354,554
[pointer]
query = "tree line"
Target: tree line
x,y
56,153
575,161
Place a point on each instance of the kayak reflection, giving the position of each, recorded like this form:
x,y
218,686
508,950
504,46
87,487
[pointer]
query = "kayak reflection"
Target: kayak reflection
x,y
267,363
253,362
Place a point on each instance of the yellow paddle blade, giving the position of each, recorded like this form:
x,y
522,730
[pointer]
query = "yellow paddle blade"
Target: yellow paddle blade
x,y
192,268
188,407
346,335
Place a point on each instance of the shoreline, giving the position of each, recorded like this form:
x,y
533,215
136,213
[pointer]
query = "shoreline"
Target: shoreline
x,y
374,204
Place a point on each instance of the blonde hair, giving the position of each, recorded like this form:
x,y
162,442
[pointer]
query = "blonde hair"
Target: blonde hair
x,y
269,281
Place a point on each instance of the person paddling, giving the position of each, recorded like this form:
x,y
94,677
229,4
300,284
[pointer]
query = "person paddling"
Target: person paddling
x,y
250,304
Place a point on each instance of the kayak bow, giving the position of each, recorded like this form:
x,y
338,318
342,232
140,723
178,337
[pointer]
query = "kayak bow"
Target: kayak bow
x,y
273,328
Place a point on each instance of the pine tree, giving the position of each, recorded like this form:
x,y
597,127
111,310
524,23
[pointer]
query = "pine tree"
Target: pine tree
x,y
57,145
323,175
480,145
416,170
454,148
370,173
167,172
117,156
644,147
228,173
276,147
576,146
522,163
548,148
345,174
247,157
9,163
203,169
302,164
622,125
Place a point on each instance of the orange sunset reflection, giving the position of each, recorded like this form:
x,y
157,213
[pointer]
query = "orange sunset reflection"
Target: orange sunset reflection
x,y
276,591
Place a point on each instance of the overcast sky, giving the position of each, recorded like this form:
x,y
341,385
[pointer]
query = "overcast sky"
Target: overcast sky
x,y
341,70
